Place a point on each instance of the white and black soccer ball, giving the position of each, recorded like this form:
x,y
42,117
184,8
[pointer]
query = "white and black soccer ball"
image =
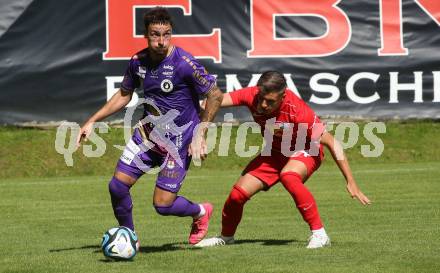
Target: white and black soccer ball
x,y
119,243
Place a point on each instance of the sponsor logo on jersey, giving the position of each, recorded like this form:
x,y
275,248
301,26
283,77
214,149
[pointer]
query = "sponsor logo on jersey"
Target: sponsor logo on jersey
x,y
169,174
168,73
141,72
179,141
127,157
169,67
200,78
154,73
172,186
130,152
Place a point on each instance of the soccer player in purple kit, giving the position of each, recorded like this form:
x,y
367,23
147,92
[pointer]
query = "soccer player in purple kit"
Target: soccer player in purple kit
x,y
172,80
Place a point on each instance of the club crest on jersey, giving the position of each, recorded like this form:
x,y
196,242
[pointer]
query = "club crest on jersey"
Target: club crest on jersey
x,y
171,164
166,86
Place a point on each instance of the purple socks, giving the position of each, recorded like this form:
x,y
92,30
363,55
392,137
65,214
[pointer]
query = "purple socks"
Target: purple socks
x,y
121,202
181,207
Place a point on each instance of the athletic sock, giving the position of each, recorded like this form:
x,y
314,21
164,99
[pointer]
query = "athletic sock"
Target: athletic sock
x,y
181,207
233,211
121,202
320,232
304,200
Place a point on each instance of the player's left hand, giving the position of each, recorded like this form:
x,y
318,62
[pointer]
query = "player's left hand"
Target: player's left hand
x,y
198,149
355,192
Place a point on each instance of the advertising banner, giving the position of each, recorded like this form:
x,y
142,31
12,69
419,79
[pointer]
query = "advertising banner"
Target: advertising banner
x,y
62,60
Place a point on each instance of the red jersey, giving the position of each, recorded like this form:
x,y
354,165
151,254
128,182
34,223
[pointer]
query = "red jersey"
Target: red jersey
x,y
302,124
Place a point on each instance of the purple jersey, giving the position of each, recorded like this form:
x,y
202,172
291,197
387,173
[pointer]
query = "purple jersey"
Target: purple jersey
x,y
172,86
176,83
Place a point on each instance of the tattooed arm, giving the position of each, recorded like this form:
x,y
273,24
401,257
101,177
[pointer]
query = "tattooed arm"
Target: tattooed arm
x,y
213,101
198,148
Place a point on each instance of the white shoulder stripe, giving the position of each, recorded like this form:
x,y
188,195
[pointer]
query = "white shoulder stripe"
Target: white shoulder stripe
x,y
292,115
292,105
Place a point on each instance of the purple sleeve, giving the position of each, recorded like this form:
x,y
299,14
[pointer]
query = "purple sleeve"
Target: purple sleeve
x,y
131,79
197,76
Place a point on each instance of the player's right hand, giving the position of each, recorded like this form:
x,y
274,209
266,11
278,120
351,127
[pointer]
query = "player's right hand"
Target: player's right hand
x,y
84,133
198,149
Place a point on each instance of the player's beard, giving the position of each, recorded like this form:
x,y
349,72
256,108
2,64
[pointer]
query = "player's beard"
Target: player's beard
x,y
268,112
263,112
160,52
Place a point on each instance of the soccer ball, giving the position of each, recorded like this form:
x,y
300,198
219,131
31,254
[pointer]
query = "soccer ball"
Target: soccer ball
x,y
119,243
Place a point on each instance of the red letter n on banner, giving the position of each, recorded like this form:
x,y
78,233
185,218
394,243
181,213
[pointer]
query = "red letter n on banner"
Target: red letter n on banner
x,y
432,8
122,41
391,24
263,29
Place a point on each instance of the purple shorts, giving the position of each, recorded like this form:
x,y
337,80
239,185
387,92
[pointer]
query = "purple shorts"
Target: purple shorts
x,y
138,158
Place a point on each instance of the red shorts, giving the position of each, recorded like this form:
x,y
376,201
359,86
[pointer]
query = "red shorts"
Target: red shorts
x,y
268,168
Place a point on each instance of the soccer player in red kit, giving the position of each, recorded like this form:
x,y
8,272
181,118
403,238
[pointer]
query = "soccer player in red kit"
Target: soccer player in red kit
x,y
294,138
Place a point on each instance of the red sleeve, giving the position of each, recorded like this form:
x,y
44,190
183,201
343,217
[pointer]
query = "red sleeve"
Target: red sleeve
x,y
306,115
317,128
244,96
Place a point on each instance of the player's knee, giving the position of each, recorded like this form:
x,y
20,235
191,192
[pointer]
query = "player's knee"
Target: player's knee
x,y
238,195
164,202
164,211
125,178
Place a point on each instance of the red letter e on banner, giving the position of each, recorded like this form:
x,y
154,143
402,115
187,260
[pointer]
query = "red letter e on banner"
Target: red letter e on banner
x,y
122,41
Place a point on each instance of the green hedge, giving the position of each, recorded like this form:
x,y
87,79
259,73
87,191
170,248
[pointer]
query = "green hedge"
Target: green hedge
x,y
29,152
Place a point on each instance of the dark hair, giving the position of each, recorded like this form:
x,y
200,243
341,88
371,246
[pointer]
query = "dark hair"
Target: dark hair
x,y
157,15
272,81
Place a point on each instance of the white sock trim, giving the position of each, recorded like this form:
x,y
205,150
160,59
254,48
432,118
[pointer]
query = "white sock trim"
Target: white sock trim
x,y
201,213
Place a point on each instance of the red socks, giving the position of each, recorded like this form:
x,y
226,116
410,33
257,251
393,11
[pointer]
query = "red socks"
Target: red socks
x,y
233,210
303,199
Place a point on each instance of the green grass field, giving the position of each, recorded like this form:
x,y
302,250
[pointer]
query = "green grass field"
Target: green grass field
x,y
54,223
